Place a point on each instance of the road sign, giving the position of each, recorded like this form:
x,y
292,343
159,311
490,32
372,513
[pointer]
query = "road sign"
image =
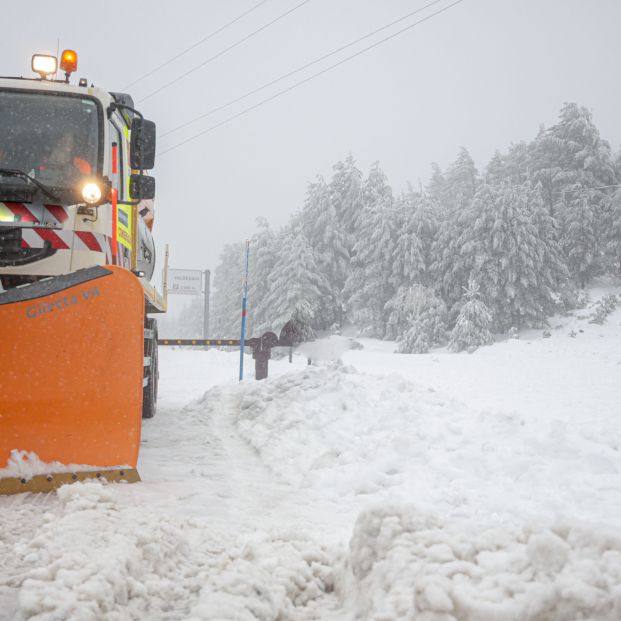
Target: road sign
x,y
185,282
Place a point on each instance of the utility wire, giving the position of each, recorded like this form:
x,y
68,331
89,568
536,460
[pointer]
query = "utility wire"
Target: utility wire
x,y
290,73
224,51
312,77
587,189
187,49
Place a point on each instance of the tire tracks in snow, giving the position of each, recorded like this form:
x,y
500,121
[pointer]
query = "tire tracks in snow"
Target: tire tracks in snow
x,y
194,458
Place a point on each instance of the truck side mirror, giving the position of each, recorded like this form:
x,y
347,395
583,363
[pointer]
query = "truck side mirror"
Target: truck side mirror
x,y
141,187
142,148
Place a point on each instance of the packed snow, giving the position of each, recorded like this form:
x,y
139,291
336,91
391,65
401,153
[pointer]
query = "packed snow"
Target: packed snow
x,y
367,485
26,464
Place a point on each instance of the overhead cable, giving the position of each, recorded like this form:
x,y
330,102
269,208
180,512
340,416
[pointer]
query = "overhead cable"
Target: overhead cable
x,y
290,73
224,51
588,189
308,79
194,45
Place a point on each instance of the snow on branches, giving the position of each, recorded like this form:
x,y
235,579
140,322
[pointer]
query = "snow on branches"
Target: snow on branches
x,y
543,218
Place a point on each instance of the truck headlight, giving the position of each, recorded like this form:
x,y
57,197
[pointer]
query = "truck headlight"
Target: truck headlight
x,y
91,193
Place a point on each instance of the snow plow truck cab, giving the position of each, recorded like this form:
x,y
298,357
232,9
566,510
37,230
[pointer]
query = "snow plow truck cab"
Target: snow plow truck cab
x,y
78,350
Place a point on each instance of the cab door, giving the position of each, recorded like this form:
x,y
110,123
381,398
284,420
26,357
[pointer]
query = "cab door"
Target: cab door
x,y
122,226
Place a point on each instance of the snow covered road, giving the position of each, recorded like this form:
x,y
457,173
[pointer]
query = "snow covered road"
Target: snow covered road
x,y
438,488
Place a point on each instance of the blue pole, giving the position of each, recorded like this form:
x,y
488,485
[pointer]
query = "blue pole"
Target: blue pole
x,y
243,317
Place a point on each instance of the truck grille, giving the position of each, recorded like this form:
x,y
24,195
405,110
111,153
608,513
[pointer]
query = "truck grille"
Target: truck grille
x,y
11,252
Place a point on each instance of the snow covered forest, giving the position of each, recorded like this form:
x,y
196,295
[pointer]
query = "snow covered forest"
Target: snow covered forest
x,y
470,254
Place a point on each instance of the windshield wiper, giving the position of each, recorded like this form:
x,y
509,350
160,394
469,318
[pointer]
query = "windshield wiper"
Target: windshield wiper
x,y
15,172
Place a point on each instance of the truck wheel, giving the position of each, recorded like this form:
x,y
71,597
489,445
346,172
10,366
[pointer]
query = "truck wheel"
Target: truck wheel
x,y
151,372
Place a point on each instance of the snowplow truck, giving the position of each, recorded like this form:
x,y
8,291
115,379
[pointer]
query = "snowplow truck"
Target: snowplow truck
x,y
78,348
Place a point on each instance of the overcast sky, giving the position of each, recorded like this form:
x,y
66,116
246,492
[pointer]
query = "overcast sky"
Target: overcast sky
x,y
483,74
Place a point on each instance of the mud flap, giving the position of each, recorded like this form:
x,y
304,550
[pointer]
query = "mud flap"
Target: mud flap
x,y
71,370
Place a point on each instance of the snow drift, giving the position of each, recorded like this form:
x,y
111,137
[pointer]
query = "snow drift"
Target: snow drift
x,y
405,564
363,437
512,517
97,556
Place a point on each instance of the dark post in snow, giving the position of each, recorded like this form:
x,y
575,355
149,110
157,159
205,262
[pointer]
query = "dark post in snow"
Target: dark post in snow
x,y
287,337
207,274
261,352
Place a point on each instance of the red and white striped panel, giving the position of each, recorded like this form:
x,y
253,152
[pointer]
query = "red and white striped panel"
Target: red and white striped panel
x,y
123,256
54,215
67,240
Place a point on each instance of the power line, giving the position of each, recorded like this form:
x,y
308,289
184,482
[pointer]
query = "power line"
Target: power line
x,y
312,77
224,51
588,189
187,49
290,73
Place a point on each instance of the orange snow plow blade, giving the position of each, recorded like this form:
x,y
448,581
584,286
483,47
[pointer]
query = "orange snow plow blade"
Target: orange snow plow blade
x,y
71,379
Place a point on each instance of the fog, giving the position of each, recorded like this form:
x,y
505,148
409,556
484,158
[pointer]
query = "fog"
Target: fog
x,y
482,74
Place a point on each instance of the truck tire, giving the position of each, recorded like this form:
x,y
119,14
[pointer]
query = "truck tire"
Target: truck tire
x,y
151,371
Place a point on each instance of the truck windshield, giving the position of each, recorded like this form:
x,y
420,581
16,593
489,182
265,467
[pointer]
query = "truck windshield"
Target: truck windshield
x,y
53,138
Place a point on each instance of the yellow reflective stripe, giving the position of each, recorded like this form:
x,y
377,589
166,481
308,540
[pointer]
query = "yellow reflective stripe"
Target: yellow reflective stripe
x,y
125,222
6,215
124,225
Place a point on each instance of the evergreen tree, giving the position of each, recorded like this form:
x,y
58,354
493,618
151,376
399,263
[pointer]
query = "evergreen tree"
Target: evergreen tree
x,y
517,163
426,229
583,156
263,256
447,270
417,318
473,326
612,237
346,197
436,188
376,191
512,167
227,286
579,236
542,214
461,181
506,254
553,270
543,168
398,313
571,154
297,288
496,173
408,266
323,230
369,287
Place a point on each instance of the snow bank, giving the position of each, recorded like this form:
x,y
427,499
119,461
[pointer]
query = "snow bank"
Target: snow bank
x,y
356,437
509,510
405,564
268,578
96,556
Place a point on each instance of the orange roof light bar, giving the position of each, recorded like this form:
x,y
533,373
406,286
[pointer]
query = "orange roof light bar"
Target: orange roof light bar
x,y
69,61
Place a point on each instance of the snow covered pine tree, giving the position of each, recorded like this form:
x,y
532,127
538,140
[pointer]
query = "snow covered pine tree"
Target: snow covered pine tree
x,y
472,328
